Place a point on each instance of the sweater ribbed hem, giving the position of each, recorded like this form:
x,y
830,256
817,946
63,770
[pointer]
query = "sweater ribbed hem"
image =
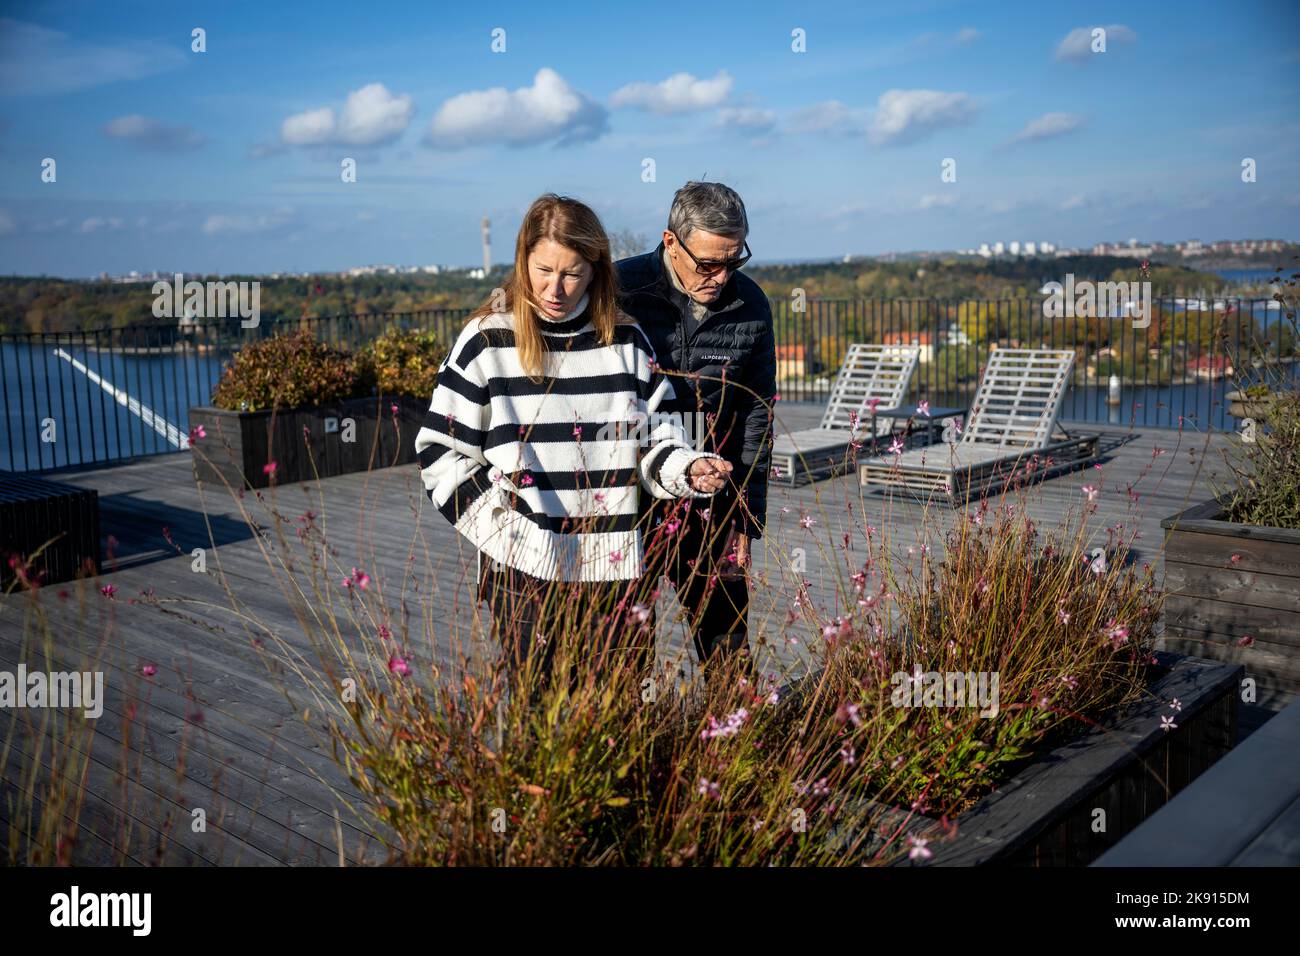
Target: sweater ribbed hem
x,y
507,536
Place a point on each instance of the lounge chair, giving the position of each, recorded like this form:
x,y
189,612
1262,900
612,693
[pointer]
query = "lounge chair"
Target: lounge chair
x,y
1012,419
869,371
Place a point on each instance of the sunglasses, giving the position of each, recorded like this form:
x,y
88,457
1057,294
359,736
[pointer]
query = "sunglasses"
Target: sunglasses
x,y
707,267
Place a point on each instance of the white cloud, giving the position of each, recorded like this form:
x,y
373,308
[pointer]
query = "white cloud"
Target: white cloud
x,y
1049,125
829,116
1074,202
746,119
96,223
967,35
240,224
6,224
548,110
370,116
35,59
1077,45
904,116
152,134
680,93
932,201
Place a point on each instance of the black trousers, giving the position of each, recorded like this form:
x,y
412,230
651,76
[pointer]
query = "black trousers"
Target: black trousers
x,y
531,615
693,549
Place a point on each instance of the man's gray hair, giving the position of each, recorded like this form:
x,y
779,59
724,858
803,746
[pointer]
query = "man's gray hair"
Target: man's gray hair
x,y
710,207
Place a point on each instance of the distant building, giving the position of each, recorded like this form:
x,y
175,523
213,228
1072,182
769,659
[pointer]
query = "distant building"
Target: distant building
x,y
1211,367
791,361
924,339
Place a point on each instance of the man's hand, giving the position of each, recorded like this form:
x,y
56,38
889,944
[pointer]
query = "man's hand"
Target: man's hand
x,y
708,474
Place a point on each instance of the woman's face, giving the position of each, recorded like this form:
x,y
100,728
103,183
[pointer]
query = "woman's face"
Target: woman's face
x,y
559,277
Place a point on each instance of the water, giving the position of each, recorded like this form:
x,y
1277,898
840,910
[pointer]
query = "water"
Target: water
x,y
1251,276
55,416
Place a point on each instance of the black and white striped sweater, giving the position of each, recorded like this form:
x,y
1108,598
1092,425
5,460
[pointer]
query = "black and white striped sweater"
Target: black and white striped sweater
x,y
545,477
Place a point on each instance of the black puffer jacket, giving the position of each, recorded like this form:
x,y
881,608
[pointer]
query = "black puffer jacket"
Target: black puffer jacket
x,y
733,343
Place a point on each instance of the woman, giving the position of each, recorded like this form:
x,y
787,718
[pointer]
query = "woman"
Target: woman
x,y
534,445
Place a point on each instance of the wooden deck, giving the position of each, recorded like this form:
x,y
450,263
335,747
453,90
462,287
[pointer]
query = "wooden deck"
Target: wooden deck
x,y
250,763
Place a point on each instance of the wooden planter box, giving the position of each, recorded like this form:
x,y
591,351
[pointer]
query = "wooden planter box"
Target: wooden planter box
x,y
1043,815
257,438
1226,581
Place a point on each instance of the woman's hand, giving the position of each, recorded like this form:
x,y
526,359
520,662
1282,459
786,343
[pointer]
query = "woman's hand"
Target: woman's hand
x,y
708,474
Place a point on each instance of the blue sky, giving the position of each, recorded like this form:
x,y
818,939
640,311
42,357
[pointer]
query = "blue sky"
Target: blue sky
x,y
229,160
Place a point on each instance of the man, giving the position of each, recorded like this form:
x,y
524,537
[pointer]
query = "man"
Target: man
x,y
711,328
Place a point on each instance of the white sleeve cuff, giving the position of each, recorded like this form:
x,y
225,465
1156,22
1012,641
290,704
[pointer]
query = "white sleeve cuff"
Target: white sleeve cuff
x,y
672,473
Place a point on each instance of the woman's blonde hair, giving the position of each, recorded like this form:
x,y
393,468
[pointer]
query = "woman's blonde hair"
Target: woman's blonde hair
x,y
575,226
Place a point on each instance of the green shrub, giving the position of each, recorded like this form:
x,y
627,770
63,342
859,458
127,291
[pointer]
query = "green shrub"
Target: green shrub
x,y
402,362
1266,463
287,371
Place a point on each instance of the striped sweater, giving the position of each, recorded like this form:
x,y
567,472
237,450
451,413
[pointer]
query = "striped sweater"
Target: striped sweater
x,y
545,477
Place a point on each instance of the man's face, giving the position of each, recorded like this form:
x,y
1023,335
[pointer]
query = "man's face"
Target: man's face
x,y
705,246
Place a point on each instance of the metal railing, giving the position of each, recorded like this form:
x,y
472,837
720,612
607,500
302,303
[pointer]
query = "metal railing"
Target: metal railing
x,y
77,398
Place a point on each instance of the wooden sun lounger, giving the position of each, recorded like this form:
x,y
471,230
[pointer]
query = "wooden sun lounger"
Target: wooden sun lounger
x,y
1011,432
881,372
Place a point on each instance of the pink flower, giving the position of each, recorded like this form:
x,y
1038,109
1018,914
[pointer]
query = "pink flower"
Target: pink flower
x,y
728,729
896,447
1117,634
849,712
873,404
616,556
108,590
918,850
1063,615
269,468
399,666
361,578
1090,491
1175,704
1167,723
526,480
807,521
1245,641
577,431
708,788
641,613
196,433
148,670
